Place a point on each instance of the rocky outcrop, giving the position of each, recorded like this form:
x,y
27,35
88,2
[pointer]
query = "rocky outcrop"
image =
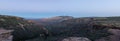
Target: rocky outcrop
x,y
114,37
23,29
5,35
76,39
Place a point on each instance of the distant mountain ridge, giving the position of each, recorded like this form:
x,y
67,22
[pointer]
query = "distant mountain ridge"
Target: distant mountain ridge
x,y
63,18
51,20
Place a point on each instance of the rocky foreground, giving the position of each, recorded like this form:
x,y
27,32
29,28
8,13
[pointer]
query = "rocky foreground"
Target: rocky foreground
x,y
22,29
14,28
5,35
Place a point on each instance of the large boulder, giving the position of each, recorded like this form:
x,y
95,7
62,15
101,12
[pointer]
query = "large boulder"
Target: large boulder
x,y
5,35
76,39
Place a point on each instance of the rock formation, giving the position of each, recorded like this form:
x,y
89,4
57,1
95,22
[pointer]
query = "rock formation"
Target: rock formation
x,y
23,29
76,39
114,37
5,35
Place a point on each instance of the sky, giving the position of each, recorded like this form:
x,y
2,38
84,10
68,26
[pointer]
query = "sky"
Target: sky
x,y
49,8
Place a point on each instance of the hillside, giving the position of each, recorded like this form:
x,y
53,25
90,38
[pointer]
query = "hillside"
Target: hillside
x,y
51,20
93,28
23,29
109,21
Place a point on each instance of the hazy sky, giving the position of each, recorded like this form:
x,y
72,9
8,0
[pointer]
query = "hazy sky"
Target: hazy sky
x,y
48,8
